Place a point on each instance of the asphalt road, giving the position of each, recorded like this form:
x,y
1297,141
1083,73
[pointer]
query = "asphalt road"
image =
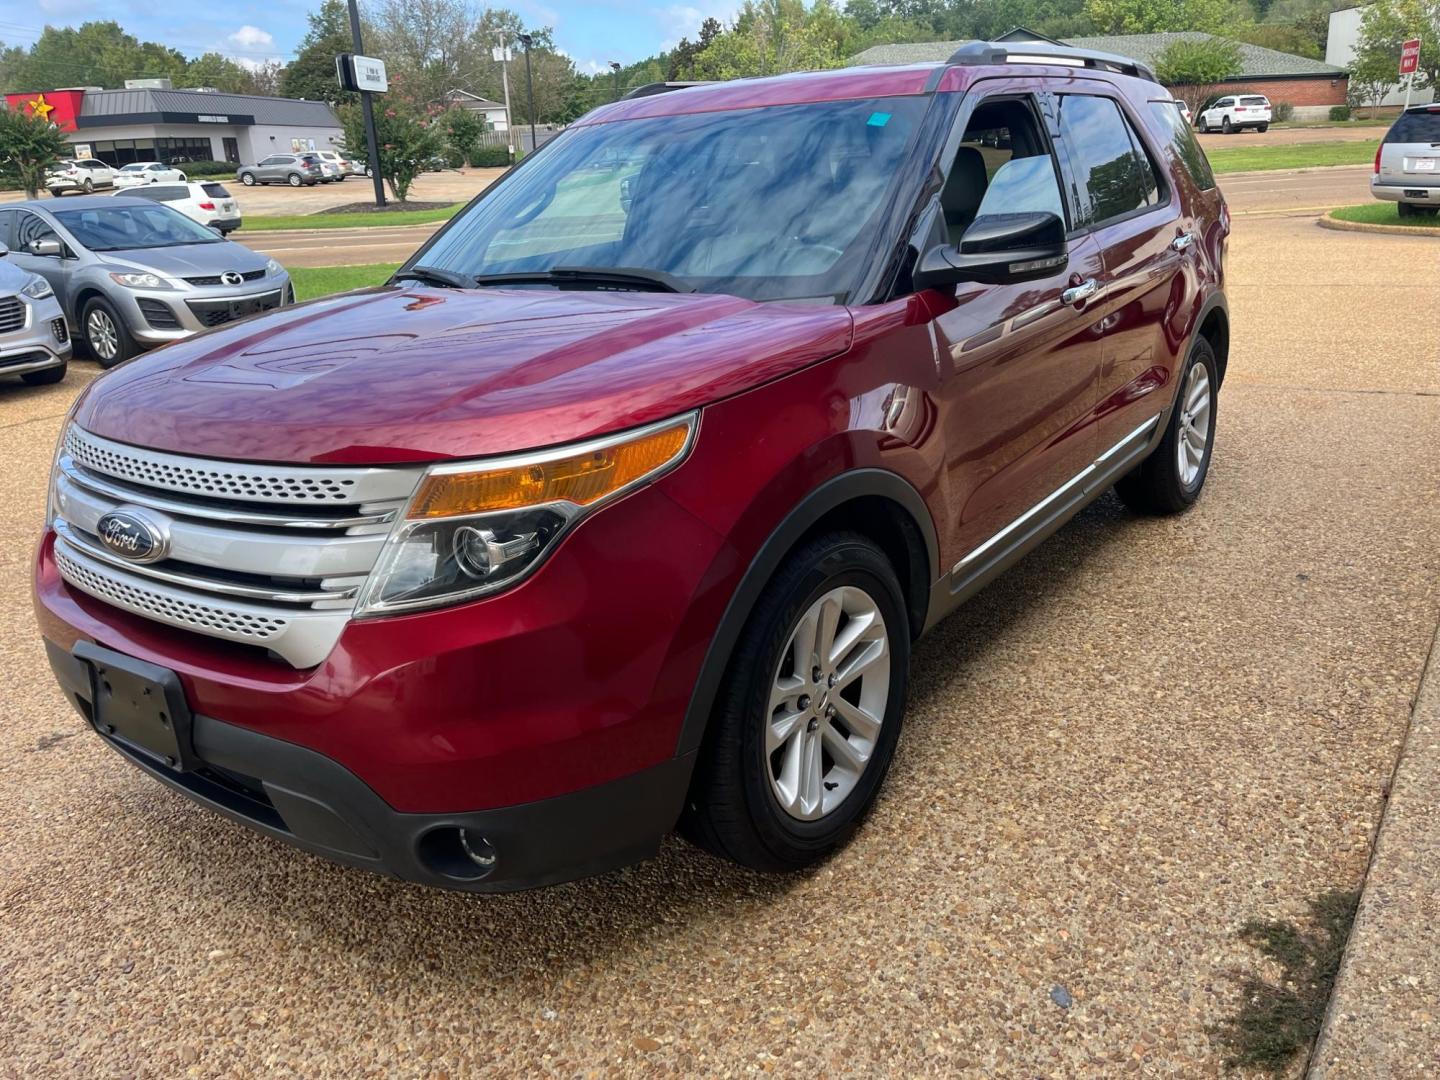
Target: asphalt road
x,y
1147,733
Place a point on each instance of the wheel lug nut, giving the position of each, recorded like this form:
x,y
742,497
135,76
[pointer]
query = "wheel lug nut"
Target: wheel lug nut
x,y
815,674
832,679
804,701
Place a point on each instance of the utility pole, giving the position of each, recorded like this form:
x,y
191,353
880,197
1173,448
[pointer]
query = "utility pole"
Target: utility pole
x,y
367,109
501,53
615,67
526,39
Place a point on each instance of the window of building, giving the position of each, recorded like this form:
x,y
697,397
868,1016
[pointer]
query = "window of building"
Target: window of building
x,y
175,151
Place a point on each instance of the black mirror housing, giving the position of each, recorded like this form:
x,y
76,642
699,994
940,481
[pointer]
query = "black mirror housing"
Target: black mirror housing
x,y
997,249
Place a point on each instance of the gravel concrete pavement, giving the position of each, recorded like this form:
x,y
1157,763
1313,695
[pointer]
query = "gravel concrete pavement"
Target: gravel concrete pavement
x,y
1147,733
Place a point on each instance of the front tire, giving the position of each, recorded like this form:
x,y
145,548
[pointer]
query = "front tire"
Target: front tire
x,y
809,713
106,335
248,179
1171,478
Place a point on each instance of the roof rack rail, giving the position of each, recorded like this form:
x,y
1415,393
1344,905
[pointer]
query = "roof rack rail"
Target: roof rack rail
x,y
651,89
988,53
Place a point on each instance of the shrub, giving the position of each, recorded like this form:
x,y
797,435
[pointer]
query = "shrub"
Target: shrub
x,y
1283,111
1339,112
193,169
491,156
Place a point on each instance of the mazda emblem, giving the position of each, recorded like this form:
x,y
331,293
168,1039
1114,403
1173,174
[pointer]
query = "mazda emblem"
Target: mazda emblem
x,y
230,277
133,536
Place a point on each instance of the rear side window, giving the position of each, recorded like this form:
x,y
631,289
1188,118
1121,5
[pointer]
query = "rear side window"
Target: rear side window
x,y
215,191
1172,126
163,192
1254,101
1420,126
1114,175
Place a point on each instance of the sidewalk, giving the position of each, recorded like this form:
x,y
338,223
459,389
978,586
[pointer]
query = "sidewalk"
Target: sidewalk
x,y
1384,1016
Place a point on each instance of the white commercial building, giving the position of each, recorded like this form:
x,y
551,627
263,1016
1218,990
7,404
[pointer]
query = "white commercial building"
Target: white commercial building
x,y
1341,43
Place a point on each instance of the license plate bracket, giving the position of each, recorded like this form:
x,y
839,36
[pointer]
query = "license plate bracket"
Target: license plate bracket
x,y
140,705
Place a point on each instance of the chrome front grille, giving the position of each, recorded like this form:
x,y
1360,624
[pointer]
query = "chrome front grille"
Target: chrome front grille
x,y
12,314
260,554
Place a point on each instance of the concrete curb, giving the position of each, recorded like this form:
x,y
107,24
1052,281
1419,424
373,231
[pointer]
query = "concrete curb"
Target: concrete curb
x,y
1329,221
1383,1019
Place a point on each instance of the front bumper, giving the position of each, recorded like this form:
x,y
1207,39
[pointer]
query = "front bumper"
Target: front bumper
x,y
158,316
313,802
43,342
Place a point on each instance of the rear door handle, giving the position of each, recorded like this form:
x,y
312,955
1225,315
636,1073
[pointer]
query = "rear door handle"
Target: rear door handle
x,y
1183,241
1083,291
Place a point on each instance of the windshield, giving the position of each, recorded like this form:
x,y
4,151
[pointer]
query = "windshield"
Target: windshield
x,y
125,228
770,203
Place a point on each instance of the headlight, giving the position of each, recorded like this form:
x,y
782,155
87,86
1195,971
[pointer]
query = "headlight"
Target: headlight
x,y
38,288
140,281
273,267
474,528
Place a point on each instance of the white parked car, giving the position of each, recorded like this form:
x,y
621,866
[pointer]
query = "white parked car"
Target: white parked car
x,y
207,202
341,162
1236,112
78,174
147,172
1185,111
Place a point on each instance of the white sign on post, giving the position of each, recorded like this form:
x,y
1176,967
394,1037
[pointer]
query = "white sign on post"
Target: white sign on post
x,y
370,74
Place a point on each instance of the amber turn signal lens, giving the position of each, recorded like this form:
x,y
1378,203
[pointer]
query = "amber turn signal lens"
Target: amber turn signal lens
x,y
581,479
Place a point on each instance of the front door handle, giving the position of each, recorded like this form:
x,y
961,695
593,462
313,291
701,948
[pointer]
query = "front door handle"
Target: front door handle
x,y
1183,241
1076,293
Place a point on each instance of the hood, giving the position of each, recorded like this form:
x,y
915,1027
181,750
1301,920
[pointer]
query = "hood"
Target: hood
x,y
12,278
188,260
413,374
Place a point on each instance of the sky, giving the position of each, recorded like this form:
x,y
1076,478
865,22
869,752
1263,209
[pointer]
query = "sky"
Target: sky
x,y
591,33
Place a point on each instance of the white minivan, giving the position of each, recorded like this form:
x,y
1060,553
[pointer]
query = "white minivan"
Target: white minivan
x,y
1236,112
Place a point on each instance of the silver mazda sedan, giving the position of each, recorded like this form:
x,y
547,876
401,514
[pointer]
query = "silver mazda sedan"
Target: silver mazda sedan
x,y
131,274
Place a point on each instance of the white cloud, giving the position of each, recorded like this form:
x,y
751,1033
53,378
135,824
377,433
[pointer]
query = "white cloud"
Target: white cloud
x,y
252,39
683,20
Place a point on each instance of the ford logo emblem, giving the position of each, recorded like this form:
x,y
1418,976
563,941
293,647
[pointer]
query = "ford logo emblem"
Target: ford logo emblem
x,y
133,536
230,277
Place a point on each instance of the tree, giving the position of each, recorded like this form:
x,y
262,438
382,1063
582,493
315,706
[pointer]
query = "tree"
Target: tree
x,y
1160,16
464,128
774,36
28,146
1191,68
311,75
409,137
1387,23
94,54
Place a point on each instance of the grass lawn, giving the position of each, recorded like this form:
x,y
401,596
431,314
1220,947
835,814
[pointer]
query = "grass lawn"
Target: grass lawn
x,y
1298,156
314,281
1385,213
264,222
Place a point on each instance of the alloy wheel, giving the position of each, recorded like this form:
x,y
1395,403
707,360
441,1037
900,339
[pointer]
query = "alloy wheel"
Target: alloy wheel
x,y
101,334
1194,424
827,702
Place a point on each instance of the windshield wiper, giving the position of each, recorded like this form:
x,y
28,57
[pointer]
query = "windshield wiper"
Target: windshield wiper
x,y
600,277
433,275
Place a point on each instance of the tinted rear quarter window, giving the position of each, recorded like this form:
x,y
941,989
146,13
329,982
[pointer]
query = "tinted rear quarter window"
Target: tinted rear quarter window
x,y
1254,101
1171,126
216,191
1415,127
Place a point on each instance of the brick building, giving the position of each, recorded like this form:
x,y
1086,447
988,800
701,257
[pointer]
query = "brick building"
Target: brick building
x,y
1311,86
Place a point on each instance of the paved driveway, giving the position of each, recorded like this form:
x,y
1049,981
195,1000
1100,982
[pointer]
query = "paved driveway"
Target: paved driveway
x,y
1147,733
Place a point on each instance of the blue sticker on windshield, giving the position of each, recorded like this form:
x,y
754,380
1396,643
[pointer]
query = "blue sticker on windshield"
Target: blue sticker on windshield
x,y
878,119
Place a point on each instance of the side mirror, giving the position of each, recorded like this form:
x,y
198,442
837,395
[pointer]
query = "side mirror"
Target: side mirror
x,y
46,247
998,249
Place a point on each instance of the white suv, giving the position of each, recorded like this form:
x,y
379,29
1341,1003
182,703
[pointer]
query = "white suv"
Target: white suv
x,y
78,174
208,202
1236,112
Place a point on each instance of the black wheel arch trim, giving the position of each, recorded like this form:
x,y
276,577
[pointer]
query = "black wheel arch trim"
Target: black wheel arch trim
x,y
822,500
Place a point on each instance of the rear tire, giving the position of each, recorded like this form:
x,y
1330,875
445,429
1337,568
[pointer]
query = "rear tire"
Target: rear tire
x,y
795,752
1225,126
48,377
1262,128
1164,483
88,186
294,179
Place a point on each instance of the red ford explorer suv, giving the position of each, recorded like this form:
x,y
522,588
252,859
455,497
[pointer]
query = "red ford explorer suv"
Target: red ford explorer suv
x,y
623,503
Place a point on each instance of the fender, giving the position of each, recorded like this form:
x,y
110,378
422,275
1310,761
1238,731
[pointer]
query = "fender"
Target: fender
x,y
822,500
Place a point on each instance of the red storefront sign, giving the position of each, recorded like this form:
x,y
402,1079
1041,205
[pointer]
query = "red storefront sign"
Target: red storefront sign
x,y
60,107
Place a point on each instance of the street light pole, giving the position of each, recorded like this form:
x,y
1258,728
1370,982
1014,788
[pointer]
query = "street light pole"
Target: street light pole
x,y
526,39
367,110
615,67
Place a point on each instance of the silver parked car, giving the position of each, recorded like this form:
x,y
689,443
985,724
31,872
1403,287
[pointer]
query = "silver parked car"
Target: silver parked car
x,y
1407,166
292,169
131,273
34,340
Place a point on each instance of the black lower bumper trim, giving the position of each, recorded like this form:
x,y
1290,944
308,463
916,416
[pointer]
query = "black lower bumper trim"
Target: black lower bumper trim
x,y
313,802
